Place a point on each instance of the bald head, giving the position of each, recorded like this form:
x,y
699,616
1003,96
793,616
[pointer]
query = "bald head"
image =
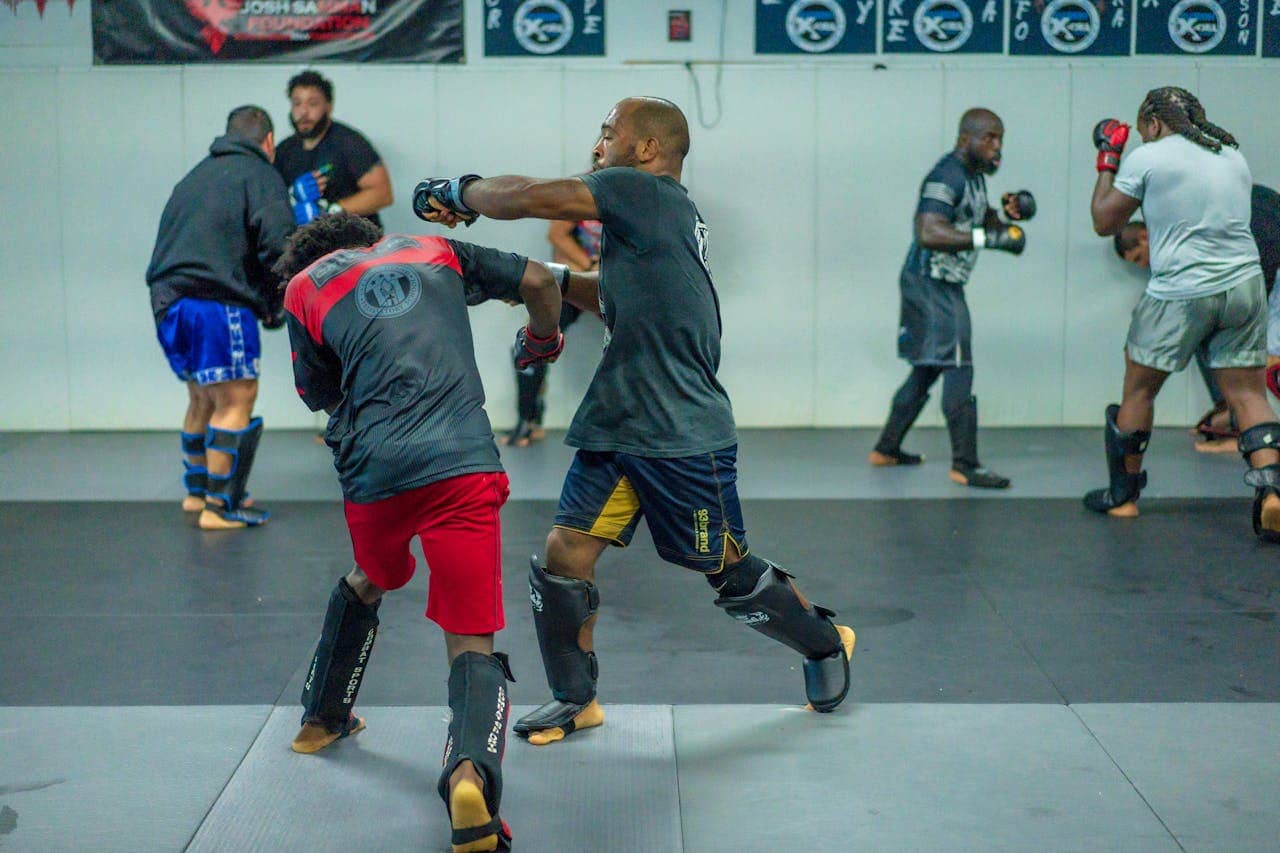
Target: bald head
x,y
977,121
660,119
980,140
650,134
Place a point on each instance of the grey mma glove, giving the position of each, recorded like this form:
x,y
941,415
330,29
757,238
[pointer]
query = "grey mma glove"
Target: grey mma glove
x,y
448,194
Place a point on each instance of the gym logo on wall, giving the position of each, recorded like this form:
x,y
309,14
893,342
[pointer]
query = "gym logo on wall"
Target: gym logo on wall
x,y
815,26
1071,27
544,28
1197,27
943,26
385,292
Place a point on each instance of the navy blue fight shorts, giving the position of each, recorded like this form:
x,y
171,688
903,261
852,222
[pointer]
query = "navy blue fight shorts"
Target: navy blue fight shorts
x,y
690,503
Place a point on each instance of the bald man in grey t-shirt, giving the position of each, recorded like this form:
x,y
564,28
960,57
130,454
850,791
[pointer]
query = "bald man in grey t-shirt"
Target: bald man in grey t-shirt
x,y
1205,290
655,436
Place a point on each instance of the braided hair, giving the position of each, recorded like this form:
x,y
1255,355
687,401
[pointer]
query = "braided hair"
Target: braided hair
x,y
1183,113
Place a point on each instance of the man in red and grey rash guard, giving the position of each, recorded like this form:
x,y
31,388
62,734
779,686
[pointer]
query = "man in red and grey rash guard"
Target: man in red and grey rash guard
x,y
381,340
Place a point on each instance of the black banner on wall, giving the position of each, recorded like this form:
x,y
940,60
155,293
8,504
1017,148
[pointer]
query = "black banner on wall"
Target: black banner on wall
x,y
943,26
294,31
544,27
1069,27
1271,28
815,26
1198,27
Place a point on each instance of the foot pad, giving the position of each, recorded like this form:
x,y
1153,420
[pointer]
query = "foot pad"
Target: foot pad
x,y
589,717
469,814
315,736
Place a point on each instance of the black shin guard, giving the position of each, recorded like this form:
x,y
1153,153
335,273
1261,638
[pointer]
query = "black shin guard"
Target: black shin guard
x,y
341,658
561,606
479,707
242,445
1123,487
195,478
1265,479
901,418
774,608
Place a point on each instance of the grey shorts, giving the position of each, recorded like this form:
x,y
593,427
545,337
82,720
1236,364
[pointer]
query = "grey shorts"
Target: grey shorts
x,y
1273,322
1165,333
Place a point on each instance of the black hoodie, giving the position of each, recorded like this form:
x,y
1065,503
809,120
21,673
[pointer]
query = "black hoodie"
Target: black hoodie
x,y
223,228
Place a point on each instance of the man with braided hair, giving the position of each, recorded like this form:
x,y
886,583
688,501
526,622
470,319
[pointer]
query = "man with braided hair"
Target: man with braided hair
x,y
1206,289
952,222
382,342
655,432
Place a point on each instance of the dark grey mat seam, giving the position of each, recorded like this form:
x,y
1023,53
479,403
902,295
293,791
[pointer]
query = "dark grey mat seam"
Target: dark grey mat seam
x,y
248,749
1128,779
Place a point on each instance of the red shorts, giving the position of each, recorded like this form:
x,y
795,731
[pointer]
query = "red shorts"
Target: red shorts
x,y
457,522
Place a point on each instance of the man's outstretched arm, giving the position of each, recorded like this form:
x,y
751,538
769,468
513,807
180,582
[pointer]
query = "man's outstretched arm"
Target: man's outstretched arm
x,y
449,201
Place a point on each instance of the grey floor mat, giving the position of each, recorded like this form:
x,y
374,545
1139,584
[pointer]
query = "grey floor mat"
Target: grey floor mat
x,y
132,779
612,788
903,777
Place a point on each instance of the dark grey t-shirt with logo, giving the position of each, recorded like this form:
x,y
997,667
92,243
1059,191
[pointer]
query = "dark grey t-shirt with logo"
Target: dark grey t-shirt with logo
x,y
655,392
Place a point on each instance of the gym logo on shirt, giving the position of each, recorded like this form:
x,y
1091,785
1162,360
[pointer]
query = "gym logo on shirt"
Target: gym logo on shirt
x,y
701,234
384,292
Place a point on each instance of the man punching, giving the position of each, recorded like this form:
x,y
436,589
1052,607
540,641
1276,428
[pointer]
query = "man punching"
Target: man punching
x,y
1218,428
382,341
221,231
952,223
655,432
1206,290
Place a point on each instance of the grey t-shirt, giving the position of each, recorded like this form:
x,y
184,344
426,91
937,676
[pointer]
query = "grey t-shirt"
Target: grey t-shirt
x,y
1197,206
655,392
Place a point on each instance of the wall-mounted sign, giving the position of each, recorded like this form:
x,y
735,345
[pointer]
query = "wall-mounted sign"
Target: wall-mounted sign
x,y
1198,27
544,27
943,26
1069,27
815,26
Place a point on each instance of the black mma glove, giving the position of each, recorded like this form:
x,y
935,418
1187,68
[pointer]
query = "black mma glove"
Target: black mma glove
x,y
531,350
1109,137
1023,202
448,194
274,320
1005,238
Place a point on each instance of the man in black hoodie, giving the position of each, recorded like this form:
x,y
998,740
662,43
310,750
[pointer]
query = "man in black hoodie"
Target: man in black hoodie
x,y
221,232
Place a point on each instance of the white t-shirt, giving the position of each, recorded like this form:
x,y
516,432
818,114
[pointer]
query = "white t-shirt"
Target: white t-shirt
x,y
1196,205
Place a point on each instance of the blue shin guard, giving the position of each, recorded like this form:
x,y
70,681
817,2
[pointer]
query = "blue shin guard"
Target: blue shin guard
x,y
242,446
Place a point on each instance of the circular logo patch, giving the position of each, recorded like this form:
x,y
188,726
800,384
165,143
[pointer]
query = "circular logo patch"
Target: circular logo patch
x,y
543,26
1197,26
943,25
388,291
815,26
1070,26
